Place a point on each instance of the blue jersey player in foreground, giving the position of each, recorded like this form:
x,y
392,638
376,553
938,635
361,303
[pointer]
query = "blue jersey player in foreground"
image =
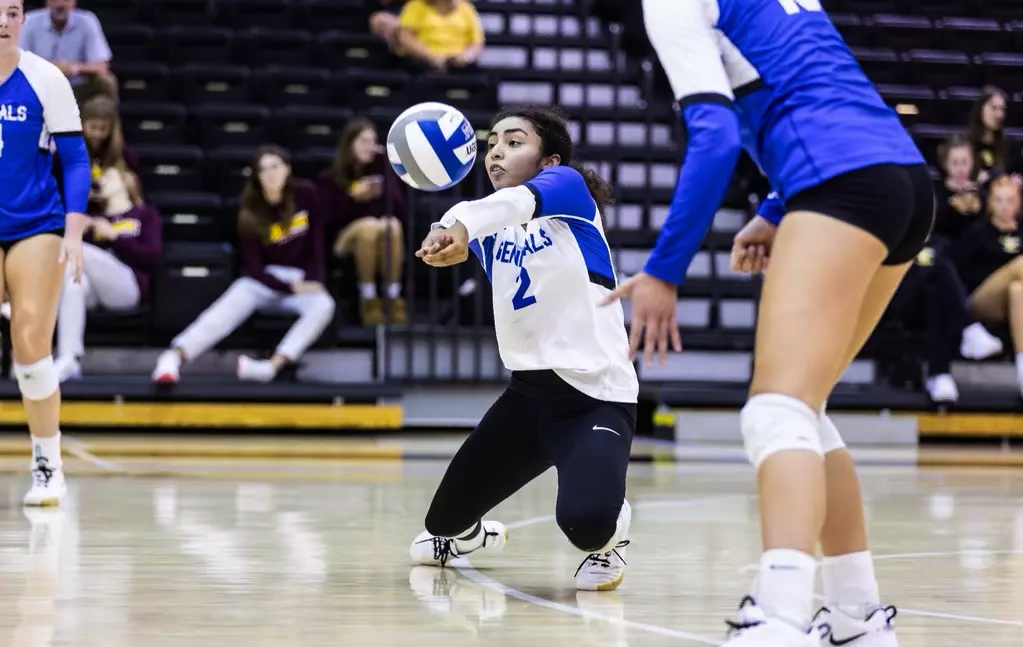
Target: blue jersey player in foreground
x,y
571,403
855,206
40,236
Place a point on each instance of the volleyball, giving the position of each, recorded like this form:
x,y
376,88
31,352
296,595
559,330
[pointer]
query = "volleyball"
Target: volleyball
x,y
431,146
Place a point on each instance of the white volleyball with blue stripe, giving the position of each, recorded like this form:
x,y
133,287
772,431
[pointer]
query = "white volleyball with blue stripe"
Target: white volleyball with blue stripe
x,y
431,146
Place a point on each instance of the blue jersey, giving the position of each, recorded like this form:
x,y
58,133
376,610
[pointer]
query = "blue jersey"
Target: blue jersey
x,y
37,103
776,78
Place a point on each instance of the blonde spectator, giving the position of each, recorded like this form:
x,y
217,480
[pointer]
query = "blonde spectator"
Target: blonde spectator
x,y
443,34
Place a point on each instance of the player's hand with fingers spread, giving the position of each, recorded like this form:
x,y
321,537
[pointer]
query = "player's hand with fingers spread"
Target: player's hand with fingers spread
x,y
71,252
444,247
653,315
751,248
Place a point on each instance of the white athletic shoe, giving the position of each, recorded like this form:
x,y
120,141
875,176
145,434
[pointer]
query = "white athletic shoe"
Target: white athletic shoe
x,y
255,370
605,571
429,550
168,368
942,388
48,486
837,628
68,368
602,571
755,629
978,343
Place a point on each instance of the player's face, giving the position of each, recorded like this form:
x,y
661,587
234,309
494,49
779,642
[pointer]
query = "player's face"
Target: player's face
x,y
96,132
514,153
273,173
959,164
993,113
364,146
12,14
1005,202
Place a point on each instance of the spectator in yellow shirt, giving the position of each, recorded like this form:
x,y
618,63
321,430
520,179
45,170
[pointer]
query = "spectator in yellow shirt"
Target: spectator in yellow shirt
x,y
444,34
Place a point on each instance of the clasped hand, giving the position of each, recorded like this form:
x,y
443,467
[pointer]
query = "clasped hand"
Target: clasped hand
x,y
444,247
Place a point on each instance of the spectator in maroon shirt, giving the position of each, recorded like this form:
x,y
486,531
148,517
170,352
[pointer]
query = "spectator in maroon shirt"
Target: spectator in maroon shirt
x,y
282,250
123,244
364,201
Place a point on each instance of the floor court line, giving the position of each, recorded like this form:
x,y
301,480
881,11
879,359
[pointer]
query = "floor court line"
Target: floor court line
x,y
78,449
471,573
474,575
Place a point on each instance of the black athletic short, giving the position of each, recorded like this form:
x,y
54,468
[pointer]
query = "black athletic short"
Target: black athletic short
x,y
6,245
892,202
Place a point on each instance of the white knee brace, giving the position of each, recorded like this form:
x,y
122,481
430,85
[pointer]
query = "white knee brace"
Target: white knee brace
x,y
773,423
831,440
37,381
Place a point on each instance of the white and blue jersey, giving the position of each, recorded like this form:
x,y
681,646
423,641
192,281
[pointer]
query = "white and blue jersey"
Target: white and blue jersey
x,y
544,249
776,78
37,103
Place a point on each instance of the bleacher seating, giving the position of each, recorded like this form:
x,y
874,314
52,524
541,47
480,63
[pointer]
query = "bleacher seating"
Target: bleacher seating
x,y
206,81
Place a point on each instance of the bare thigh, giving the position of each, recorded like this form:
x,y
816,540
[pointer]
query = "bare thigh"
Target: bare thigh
x,y
33,279
821,272
358,231
990,301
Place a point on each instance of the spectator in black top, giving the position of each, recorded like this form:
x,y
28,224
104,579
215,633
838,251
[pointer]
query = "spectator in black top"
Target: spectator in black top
x,y
991,263
992,149
958,196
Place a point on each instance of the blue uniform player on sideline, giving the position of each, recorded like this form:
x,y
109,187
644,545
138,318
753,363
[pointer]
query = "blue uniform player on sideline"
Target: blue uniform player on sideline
x,y
775,76
40,236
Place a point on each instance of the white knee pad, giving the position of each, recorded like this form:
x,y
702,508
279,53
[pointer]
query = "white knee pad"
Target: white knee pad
x,y
831,440
37,381
773,423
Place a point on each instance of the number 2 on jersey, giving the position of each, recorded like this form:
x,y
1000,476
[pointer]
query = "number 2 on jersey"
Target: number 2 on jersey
x,y
520,300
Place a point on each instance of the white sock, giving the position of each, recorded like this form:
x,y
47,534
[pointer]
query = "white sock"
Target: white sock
x,y
48,449
785,585
368,290
850,584
393,290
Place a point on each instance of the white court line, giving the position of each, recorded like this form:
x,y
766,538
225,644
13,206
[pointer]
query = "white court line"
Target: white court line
x,y
77,449
474,575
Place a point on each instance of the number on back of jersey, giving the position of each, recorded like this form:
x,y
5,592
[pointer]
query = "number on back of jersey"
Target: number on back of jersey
x,y
792,7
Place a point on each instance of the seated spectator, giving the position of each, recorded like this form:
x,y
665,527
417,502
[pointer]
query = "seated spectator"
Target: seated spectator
x,y
383,21
73,40
122,246
440,34
932,298
990,260
282,248
959,200
993,151
362,197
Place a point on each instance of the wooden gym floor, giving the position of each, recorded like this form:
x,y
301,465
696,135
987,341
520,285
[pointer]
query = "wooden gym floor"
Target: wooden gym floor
x,y
153,551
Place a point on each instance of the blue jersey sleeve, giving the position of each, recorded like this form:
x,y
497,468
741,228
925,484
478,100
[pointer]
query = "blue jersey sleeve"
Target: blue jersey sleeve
x,y
74,160
562,191
772,209
710,159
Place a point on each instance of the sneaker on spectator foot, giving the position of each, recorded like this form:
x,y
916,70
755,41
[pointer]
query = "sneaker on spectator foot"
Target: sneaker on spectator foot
x,y
255,370
978,343
942,388
68,368
168,367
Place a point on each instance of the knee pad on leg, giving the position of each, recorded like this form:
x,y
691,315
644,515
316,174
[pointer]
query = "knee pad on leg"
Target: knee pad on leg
x,y
37,381
831,440
773,423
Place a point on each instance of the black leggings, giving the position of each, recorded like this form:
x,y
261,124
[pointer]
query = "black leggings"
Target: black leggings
x,y
539,422
933,298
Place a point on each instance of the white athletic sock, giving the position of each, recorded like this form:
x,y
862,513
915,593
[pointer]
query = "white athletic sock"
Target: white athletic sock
x,y
785,585
48,449
368,290
850,584
393,290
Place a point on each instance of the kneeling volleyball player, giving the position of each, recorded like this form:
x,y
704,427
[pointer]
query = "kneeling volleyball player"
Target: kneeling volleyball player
x,y
571,403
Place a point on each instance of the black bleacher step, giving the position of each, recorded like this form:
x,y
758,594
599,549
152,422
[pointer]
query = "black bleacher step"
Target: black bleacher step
x,y
541,8
558,42
210,389
846,397
564,75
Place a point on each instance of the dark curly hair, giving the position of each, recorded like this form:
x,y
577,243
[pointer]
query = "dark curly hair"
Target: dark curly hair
x,y
550,124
